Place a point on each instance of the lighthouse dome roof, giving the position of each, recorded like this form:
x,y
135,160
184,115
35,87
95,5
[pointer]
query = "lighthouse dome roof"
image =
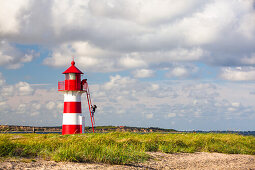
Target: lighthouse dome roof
x,y
72,69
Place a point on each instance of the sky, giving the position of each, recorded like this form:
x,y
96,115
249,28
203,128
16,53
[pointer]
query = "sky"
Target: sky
x,y
184,65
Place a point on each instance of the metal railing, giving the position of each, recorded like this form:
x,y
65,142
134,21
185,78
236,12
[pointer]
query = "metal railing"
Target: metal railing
x,y
61,85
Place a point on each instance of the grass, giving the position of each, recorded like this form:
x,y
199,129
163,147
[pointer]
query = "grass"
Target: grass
x,y
119,147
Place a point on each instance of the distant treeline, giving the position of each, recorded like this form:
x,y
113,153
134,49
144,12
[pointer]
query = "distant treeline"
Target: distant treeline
x,y
102,129
13,128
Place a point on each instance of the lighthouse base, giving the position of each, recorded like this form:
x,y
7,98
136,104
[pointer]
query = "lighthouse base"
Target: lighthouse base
x,y
71,129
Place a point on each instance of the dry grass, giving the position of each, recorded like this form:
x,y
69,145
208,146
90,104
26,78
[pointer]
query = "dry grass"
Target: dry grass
x,y
119,147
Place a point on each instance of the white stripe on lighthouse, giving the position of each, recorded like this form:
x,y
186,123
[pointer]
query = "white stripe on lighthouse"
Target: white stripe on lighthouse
x,y
72,97
72,119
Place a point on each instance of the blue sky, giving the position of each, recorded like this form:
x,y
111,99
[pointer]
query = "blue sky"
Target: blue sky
x,y
170,64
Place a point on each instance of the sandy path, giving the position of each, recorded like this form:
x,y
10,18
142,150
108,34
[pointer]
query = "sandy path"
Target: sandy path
x,y
160,161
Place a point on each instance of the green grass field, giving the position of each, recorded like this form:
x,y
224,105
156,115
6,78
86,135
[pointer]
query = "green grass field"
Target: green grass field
x,y
119,147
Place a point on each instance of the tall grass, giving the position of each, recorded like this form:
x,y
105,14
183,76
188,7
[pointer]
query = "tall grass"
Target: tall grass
x,y
119,147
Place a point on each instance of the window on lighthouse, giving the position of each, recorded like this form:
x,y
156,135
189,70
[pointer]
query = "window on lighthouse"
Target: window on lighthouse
x,y
71,76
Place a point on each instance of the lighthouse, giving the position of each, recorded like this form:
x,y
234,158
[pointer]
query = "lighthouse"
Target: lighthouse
x,y
73,88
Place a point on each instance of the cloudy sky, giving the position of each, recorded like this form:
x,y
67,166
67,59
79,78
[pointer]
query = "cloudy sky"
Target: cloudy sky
x,y
186,65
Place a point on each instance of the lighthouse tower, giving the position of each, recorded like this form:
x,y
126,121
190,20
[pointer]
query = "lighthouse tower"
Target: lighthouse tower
x,y
72,87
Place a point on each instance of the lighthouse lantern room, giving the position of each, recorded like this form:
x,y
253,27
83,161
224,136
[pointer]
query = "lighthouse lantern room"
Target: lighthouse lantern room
x,y
73,88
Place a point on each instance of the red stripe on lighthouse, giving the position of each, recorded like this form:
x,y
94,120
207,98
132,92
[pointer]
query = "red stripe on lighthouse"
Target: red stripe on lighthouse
x,y
72,107
71,129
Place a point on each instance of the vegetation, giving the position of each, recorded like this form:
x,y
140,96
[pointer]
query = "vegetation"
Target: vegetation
x,y
119,147
128,129
13,128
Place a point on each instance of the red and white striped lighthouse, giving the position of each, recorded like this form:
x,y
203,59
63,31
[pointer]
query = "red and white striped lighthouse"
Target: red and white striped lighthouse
x,y
72,87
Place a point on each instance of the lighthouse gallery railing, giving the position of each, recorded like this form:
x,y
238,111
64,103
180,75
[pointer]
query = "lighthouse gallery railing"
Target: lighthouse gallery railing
x,y
61,85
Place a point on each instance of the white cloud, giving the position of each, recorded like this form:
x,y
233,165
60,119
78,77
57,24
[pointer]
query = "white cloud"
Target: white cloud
x,y
178,72
231,109
170,115
187,98
149,116
93,58
23,89
2,80
88,56
21,109
205,26
7,90
20,89
181,71
36,106
131,34
60,105
143,73
247,25
114,9
238,74
23,105
112,35
35,113
11,16
154,87
173,55
132,62
119,82
3,106
236,104
86,52
166,10
50,105
129,101
249,60
12,58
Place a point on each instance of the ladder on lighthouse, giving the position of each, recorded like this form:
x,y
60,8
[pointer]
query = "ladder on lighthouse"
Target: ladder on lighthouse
x,y
86,88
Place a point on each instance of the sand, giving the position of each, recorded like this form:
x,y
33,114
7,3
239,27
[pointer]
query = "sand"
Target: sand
x,y
159,160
